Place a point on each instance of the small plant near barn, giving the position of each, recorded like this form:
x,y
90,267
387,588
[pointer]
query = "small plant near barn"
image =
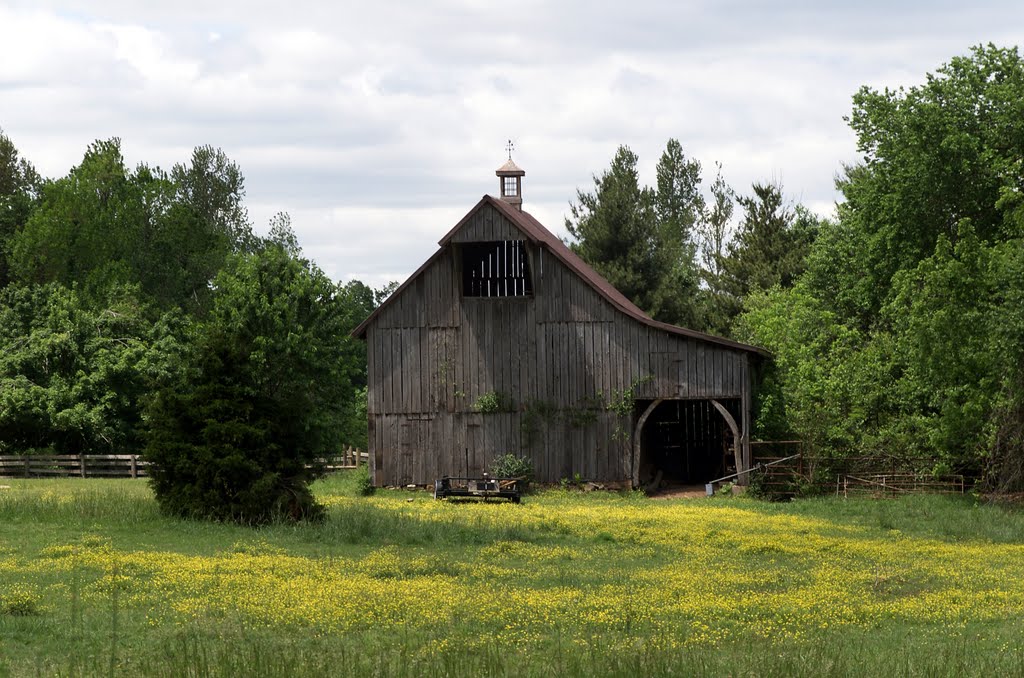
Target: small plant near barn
x,y
363,481
621,402
512,466
725,490
574,483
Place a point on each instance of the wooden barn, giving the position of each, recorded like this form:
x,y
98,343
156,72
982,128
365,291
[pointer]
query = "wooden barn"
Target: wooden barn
x,y
504,341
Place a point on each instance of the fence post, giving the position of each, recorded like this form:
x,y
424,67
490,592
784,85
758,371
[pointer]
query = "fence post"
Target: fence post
x,y
135,469
28,471
355,453
81,464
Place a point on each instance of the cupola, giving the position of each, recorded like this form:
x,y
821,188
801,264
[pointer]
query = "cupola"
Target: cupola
x,y
510,176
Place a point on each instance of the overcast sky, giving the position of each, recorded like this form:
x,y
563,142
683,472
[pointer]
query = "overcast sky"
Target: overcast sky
x,y
376,125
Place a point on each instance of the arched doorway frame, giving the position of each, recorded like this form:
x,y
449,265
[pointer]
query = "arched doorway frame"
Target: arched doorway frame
x,y
737,438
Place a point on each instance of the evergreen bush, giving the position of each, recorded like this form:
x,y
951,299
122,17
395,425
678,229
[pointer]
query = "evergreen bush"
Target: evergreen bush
x,y
265,396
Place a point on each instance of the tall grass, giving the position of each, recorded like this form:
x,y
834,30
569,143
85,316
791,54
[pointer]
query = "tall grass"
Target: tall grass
x,y
566,583
189,653
74,500
944,517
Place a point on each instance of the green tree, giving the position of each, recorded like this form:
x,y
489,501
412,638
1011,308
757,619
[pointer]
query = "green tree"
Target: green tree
x,y
641,239
72,374
771,242
81,225
712,238
104,225
198,222
905,334
769,247
933,155
1003,443
266,394
960,341
19,188
213,186
678,201
809,390
679,209
614,231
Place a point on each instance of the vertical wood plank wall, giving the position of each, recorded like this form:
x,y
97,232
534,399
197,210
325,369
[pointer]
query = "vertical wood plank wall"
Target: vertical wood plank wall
x,y
554,356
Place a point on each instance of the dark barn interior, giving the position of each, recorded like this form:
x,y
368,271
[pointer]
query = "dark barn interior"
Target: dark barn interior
x,y
686,442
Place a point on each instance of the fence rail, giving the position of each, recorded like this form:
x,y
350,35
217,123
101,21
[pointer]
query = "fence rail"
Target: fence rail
x,y
83,465
875,475
122,465
900,483
350,457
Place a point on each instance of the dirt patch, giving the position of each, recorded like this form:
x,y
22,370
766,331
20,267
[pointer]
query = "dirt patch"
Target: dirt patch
x,y
679,492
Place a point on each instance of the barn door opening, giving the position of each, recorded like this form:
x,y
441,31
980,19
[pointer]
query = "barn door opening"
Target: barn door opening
x,y
684,442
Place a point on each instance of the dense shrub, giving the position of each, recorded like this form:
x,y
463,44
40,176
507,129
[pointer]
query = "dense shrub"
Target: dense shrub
x,y
266,395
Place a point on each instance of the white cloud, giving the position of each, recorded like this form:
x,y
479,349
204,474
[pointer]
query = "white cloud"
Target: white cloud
x,y
377,125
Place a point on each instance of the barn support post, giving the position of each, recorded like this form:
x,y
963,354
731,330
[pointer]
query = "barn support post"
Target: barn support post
x,y
637,438
737,439
746,406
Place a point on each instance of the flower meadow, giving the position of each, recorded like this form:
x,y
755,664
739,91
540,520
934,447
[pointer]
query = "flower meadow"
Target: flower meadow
x,y
93,580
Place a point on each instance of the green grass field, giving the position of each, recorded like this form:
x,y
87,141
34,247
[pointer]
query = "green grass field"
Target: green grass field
x,y
94,581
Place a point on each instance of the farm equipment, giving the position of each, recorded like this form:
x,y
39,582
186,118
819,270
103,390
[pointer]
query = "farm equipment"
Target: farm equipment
x,y
479,488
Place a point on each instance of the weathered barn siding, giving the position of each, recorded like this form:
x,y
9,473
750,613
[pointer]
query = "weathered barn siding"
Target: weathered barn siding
x,y
558,357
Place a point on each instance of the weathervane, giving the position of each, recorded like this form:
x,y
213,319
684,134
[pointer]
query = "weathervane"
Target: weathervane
x,y
510,147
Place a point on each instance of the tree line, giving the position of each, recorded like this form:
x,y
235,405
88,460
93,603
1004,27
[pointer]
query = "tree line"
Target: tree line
x,y
139,311
896,325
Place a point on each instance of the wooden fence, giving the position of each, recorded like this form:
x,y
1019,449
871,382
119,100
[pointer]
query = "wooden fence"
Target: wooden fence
x,y
121,465
350,457
82,465
900,483
845,476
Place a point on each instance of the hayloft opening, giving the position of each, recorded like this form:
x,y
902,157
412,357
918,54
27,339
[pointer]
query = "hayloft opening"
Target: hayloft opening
x,y
686,442
496,269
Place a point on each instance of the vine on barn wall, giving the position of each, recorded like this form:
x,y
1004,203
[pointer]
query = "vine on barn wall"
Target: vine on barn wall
x,y
493,401
536,415
621,403
583,413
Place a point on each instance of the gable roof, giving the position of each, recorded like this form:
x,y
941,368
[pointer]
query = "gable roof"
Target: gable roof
x,y
542,237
